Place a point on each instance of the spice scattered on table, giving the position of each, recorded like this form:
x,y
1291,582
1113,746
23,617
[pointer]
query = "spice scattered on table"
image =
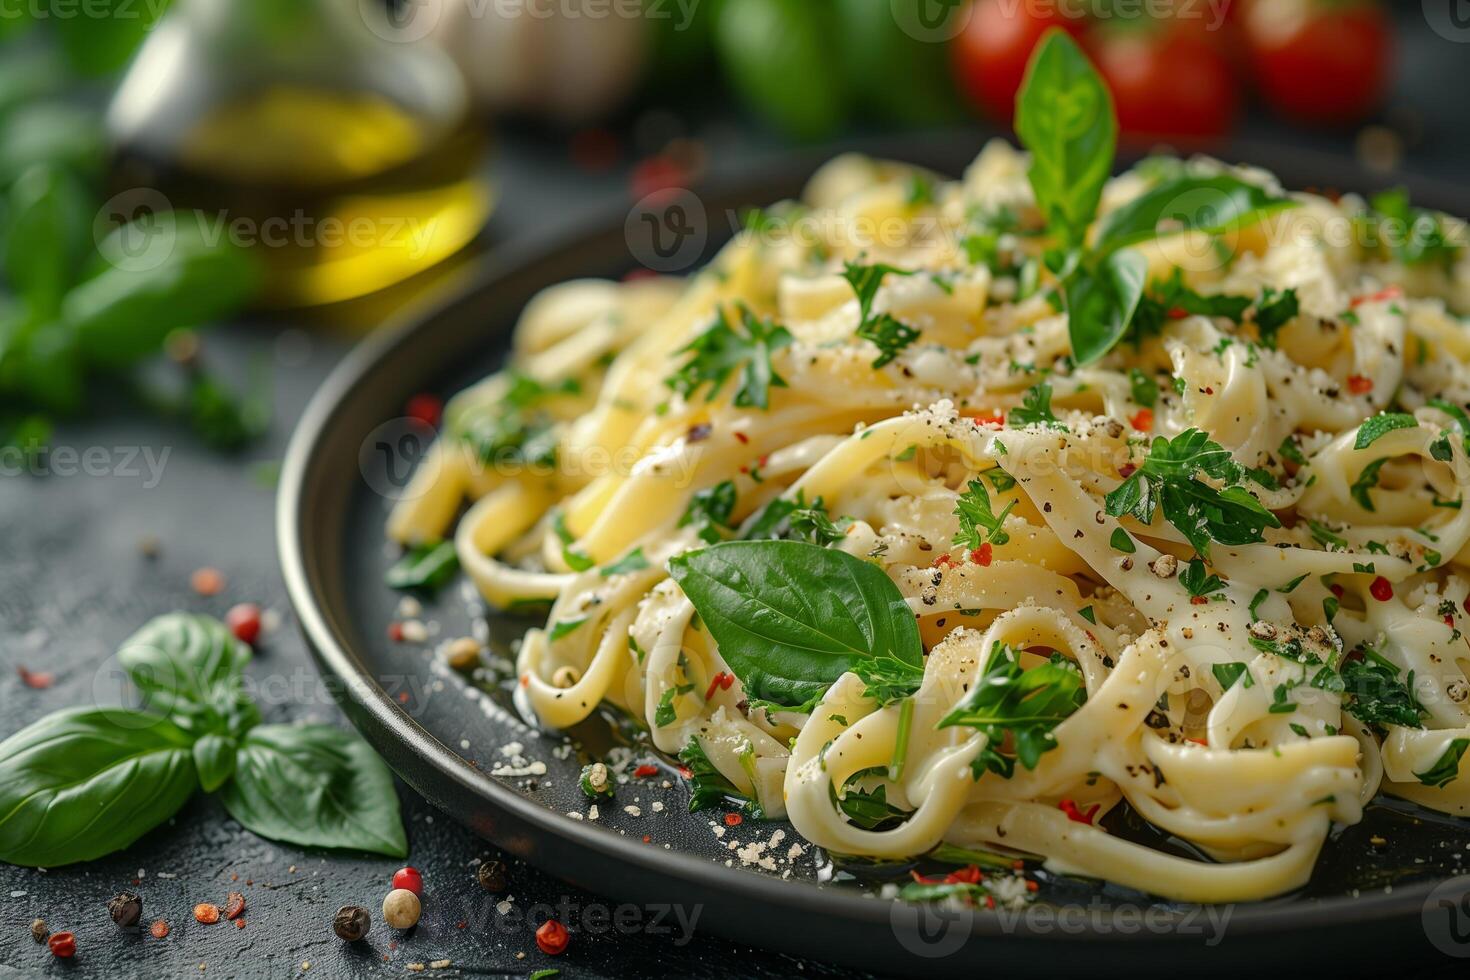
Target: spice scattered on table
x,y
351,923
491,876
126,909
206,913
595,782
207,581
552,937
401,909
63,945
159,929
234,905
463,653
39,932
243,620
37,680
410,879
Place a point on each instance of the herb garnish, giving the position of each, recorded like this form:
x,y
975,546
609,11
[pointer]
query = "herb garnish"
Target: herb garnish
x,y
978,523
721,350
427,567
887,333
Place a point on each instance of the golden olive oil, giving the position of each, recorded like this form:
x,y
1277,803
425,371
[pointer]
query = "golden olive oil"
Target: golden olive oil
x,y
340,193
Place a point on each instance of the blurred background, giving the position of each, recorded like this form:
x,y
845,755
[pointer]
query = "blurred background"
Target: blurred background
x,y
166,164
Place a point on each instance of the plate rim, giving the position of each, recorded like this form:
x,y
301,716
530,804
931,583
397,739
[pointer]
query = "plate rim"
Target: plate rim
x,y
391,721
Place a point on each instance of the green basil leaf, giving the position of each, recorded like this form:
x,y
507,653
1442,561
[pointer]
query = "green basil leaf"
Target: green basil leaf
x,y
1446,769
790,618
189,668
85,782
1064,116
1101,303
101,42
1209,204
214,760
158,273
315,785
49,221
427,567
53,134
1380,425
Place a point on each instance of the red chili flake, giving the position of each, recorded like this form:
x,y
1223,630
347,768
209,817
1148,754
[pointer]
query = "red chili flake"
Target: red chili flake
x,y
234,905
63,945
1392,292
744,439
395,632
244,621
1466,604
1198,741
636,275
1076,815
206,913
1449,620
990,901
207,581
1198,600
1018,865
1032,886
403,697
159,929
945,560
1381,589
426,408
1177,313
37,680
997,420
1143,421
1336,590
644,771
733,820
714,685
969,875
525,680
461,924
1359,385
1126,470
1208,389
686,772
982,555
551,937
647,839
239,923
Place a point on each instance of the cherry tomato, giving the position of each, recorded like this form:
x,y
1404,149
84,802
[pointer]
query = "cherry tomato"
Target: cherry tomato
x,y
989,56
1170,81
1319,61
410,879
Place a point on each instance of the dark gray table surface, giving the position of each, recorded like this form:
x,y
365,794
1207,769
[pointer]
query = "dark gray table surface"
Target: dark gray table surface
x,y
73,584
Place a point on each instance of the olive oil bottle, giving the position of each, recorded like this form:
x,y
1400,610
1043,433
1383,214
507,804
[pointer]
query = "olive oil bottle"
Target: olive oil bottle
x,y
344,156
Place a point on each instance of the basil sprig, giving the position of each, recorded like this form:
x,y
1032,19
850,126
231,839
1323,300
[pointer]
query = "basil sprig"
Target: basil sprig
x,y
84,782
1065,118
791,618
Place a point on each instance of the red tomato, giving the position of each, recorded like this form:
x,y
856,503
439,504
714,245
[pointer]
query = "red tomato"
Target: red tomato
x,y
989,56
1318,61
1170,81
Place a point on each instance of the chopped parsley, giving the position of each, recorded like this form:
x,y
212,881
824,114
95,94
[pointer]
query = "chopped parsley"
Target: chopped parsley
x,y
978,522
720,350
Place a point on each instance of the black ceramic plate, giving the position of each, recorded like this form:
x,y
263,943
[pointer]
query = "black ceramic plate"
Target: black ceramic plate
x,y
447,735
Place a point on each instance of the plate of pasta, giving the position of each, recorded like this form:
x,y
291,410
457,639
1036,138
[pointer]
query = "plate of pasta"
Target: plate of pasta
x,y
936,552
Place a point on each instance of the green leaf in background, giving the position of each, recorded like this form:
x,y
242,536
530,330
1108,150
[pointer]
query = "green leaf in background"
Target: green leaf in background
x,y
214,760
53,134
49,225
1210,204
189,667
29,74
891,74
790,618
1064,115
1101,303
156,274
84,782
102,41
778,56
315,785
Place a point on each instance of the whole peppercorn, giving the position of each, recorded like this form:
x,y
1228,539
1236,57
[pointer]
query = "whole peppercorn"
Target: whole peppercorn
x,y
491,876
409,878
401,909
552,937
39,932
126,909
63,945
352,922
